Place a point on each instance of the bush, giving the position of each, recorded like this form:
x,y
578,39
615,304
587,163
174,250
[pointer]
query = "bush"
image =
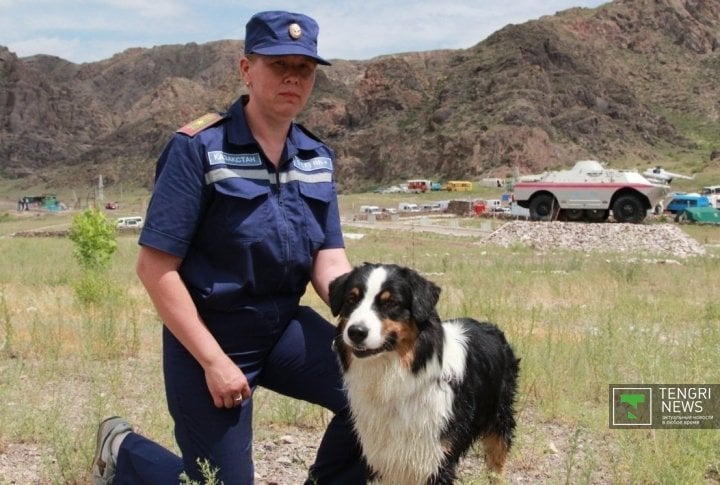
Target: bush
x,y
94,238
95,242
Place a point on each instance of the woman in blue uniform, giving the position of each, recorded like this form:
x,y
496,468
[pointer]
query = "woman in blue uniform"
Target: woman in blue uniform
x,y
243,216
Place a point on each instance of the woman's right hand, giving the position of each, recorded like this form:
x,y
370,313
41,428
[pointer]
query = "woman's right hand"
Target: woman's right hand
x,y
226,382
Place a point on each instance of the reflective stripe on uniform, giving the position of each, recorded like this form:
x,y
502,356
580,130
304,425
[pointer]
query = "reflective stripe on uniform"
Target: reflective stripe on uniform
x,y
219,174
312,178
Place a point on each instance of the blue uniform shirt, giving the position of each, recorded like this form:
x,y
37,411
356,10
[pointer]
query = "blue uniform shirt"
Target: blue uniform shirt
x,y
246,231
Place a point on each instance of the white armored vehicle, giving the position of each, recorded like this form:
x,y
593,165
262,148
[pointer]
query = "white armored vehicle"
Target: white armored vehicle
x,y
588,192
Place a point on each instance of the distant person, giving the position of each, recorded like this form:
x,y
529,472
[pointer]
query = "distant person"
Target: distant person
x,y
243,216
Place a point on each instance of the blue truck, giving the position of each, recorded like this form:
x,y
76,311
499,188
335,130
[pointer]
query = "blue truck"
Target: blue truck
x,y
680,202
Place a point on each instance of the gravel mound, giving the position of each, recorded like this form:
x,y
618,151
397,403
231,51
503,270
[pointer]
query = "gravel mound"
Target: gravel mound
x,y
660,239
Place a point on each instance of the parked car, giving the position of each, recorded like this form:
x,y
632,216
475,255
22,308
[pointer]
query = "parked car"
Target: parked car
x,y
712,192
699,215
112,205
129,222
680,202
408,207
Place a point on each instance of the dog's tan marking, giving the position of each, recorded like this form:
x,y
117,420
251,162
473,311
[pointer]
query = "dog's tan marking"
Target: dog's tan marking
x,y
446,447
495,453
407,334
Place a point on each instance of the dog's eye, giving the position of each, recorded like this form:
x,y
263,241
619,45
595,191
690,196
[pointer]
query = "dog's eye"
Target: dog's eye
x,y
387,303
353,296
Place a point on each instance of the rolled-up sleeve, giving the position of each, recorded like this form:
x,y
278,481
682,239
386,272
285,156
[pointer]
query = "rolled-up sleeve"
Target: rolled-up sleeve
x,y
178,197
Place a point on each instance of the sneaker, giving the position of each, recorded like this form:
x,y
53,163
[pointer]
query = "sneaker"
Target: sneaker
x,y
103,466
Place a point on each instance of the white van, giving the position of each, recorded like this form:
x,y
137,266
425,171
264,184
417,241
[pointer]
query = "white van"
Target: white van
x,y
127,222
370,209
712,192
408,207
496,205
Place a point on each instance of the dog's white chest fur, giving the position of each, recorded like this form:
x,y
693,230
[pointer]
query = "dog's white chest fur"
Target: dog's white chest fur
x,y
400,415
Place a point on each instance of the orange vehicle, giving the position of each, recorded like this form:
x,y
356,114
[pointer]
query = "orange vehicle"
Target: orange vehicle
x,y
419,185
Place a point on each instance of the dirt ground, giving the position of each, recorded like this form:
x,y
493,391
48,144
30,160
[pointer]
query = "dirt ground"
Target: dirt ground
x,y
543,453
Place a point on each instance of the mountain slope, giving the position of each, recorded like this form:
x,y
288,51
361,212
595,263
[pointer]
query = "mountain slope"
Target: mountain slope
x,y
634,83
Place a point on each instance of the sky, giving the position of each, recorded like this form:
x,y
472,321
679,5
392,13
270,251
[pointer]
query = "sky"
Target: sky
x,y
92,30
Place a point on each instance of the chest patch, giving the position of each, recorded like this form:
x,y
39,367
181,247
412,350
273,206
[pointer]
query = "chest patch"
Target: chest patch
x,y
312,164
234,159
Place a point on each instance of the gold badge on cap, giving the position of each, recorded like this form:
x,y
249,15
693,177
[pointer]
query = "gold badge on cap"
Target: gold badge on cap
x,y
295,31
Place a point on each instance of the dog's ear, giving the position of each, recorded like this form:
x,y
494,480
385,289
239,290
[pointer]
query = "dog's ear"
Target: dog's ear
x,y
337,293
425,295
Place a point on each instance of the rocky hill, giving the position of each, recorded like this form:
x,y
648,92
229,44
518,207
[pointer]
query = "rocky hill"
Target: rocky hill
x,y
633,82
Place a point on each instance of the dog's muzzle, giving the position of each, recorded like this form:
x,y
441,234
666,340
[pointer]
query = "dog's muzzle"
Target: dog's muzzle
x,y
357,334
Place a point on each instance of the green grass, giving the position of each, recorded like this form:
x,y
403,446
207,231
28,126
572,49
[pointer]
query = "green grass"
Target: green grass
x,y
578,321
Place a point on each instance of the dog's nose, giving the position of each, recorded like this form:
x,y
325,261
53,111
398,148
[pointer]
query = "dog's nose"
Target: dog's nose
x,y
357,333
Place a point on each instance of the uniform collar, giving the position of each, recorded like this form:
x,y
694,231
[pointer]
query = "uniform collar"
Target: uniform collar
x,y
238,131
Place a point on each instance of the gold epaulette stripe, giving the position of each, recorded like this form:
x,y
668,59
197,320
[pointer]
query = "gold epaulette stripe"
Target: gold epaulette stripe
x,y
198,125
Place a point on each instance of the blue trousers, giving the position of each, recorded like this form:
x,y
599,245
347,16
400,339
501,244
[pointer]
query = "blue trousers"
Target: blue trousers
x,y
282,347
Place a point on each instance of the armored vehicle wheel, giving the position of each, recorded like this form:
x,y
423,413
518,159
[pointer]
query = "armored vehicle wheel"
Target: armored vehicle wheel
x,y
628,208
596,215
544,207
572,214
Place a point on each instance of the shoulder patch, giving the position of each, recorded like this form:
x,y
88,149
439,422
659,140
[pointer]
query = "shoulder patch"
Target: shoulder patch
x,y
309,133
198,125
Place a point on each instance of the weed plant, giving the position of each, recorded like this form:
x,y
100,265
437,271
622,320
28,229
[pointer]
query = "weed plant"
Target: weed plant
x,y
578,321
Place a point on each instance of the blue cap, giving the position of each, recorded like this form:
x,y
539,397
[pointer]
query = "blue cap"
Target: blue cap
x,y
280,33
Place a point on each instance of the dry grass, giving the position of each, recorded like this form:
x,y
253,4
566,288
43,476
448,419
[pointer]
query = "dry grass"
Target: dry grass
x,y
578,322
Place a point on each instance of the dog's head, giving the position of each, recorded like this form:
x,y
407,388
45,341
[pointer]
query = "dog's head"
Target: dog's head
x,y
381,308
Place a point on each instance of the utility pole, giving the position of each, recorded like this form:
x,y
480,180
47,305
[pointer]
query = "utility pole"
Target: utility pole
x,y
100,194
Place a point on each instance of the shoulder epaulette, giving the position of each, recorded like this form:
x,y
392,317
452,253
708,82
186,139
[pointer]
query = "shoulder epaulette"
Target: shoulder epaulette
x,y
198,125
309,133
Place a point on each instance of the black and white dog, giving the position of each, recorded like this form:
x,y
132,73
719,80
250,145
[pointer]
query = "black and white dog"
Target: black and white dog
x,y
421,391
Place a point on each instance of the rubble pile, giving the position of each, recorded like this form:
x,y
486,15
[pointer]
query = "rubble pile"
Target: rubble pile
x,y
662,239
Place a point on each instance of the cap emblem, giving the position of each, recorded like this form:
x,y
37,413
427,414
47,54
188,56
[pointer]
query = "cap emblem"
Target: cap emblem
x,y
295,31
